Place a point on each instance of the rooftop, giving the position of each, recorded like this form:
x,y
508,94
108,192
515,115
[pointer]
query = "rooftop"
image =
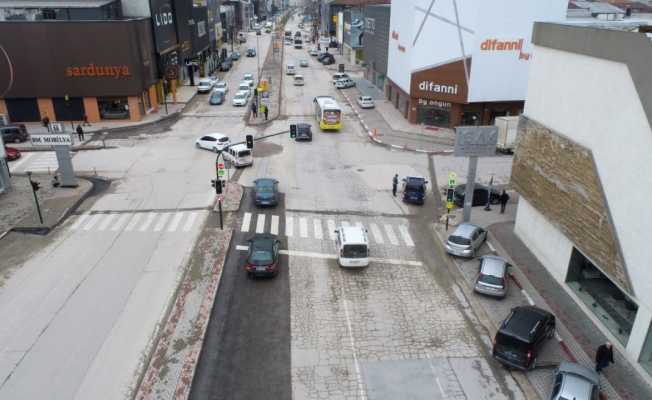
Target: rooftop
x,y
598,8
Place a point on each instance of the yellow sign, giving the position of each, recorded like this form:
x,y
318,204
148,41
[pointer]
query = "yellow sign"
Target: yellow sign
x,y
449,205
264,85
335,18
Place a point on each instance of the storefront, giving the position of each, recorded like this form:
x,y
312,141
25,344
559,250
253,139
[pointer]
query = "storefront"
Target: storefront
x,y
71,70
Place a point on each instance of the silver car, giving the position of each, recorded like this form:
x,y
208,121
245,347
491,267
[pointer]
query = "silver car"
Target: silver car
x,y
492,279
574,381
466,240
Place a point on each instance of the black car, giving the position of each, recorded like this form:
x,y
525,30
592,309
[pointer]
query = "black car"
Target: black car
x,y
414,190
479,195
328,59
304,132
235,56
251,52
323,55
262,255
216,98
226,65
266,192
521,336
14,133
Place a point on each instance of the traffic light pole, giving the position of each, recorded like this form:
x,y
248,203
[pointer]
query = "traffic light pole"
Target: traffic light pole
x,y
35,187
217,183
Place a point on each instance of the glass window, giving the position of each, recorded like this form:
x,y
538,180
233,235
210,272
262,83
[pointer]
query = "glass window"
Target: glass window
x,y
354,251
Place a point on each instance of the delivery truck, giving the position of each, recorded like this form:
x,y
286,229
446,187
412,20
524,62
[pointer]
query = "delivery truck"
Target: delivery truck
x,y
507,132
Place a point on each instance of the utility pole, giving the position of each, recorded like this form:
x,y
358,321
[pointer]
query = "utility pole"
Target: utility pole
x,y
35,187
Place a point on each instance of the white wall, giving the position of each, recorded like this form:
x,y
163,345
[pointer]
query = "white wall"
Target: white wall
x,y
136,8
594,102
398,62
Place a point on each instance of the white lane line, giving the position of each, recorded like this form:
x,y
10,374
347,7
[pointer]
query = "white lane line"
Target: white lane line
x,y
391,235
94,219
345,223
405,234
274,228
319,234
246,221
356,363
527,296
175,221
80,220
106,222
260,223
161,222
303,227
134,221
289,225
148,222
324,256
190,222
120,222
491,247
375,231
331,229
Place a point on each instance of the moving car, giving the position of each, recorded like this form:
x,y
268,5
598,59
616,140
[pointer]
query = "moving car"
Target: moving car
x,y
344,83
465,240
14,133
303,63
298,80
213,141
339,75
298,43
204,85
313,52
521,335
240,99
239,155
12,153
221,86
290,69
235,56
217,98
365,102
262,256
304,132
479,195
414,190
492,278
266,192
258,33
352,246
226,65
575,381
245,87
242,37
251,52
328,59
248,78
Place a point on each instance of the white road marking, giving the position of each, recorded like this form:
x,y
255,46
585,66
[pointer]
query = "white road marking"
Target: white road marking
x,y
190,222
405,234
527,296
161,222
375,231
345,223
324,256
274,227
148,222
359,225
303,227
175,221
106,222
260,223
331,229
121,221
391,235
94,219
80,220
319,234
289,225
246,221
345,302
23,159
134,221
491,247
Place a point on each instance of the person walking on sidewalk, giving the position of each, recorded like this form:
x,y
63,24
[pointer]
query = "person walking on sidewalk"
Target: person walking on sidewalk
x,y
254,109
80,133
266,111
394,184
504,198
603,356
46,122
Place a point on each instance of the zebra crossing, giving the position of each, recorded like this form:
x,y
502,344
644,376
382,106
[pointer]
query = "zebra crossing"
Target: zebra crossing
x,y
305,227
139,222
36,161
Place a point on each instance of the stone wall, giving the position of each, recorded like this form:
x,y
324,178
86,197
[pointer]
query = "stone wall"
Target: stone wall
x,y
559,178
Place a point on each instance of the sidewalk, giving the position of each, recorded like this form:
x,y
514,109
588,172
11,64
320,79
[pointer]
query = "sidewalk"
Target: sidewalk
x,y
272,70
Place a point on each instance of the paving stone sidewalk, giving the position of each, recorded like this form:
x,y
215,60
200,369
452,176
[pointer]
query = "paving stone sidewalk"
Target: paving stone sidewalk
x,y
272,71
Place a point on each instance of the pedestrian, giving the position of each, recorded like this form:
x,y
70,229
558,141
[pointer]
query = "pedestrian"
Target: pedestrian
x,y
504,198
394,184
46,122
603,356
80,133
254,109
86,123
266,111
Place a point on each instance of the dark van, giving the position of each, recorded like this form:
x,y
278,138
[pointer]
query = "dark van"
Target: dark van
x,y
414,190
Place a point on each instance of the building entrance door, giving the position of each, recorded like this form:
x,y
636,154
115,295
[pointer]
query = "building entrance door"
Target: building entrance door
x,y
71,110
23,110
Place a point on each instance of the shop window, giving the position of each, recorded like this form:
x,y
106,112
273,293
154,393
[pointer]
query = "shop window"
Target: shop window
x,y
23,110
433,116
611,305
113,107
71,109
471,118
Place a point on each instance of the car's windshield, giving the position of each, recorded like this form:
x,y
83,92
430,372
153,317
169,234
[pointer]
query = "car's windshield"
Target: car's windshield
x,y
459,240
354,251
265,188
223,139
491,280
244,153
240,96
221,84
261,257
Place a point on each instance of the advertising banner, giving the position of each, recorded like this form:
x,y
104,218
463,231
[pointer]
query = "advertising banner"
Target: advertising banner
x,y
163,21
354,28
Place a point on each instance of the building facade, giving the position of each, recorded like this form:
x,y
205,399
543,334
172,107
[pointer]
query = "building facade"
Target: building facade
x,y
464,64
376,43
584,141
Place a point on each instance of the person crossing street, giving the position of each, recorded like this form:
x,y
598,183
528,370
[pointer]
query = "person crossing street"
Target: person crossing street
x,y
394,184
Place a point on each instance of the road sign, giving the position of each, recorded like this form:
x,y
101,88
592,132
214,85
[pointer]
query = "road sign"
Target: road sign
x,y
476,141
51,140
452,179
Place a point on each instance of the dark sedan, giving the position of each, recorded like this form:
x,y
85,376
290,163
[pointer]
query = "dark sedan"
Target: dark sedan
x,y
266,192
216,98
226,65
479,195
304,132
251,52
328,60
14,133
262,256
235,56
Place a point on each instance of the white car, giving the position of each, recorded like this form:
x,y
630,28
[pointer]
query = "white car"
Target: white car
x,y
365,102
205,85
344,83
213,142
221,86
313,52
339,75
249,78
303,63
245,87
298,80
240,98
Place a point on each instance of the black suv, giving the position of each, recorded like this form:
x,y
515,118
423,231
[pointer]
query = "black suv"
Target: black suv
x,y
521,336
14,133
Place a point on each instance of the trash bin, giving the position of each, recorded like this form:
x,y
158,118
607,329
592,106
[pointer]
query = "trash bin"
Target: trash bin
x,y
340,68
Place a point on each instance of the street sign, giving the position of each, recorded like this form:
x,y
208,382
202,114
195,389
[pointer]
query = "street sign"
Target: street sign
x,y
476,141
51,140
449,205
265,95
452,179
221,170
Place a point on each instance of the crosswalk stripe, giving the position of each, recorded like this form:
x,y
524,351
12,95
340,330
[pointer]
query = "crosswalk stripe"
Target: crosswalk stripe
x,y
303,227
274,227
331,229
94,219
406,235
319,234
190,222
121,221
148,221
391,235
80,220
161,222
175,221
246,220
260,223
289,225
375,231
106,222
134,221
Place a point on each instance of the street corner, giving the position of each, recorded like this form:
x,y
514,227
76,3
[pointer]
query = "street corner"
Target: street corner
x,y
230,198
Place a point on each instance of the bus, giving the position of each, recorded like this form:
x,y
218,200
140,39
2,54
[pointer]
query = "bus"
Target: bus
x,y
328,113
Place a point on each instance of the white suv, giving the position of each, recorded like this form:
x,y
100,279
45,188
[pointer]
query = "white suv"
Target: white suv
x,y
365,101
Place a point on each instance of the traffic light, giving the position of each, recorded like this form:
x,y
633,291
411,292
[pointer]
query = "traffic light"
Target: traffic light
x,y
450,195
250,141
217,184
293,131
35,185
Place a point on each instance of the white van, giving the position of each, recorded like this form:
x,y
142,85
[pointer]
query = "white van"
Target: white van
x,y
290,69
352,246
239,155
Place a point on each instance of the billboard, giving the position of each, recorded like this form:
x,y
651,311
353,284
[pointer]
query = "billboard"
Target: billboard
x,y
163,22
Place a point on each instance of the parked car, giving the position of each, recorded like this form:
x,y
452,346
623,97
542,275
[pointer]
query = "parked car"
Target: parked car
x,y
251,52
235,56
492,279
304,132
327,59
213,141
262,256
575,381
221,86
303,63
313,52
217,98
258,33
365,102
290,69
14,133
344,83
339,75
465,240
298,80
414,190
522,335
226,65
114,113
266,192
240,99
479,195
245,87
248,78
12,153
204,85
